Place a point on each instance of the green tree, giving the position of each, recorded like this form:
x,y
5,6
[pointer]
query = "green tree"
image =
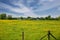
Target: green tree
x,y
21,18
3,16
28,18
37,18
42,18
58,18
9,17
48,17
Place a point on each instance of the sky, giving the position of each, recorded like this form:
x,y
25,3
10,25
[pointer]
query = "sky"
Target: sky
x,y
33,8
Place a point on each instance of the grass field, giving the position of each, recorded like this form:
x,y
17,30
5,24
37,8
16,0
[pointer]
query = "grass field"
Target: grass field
x,y
34,30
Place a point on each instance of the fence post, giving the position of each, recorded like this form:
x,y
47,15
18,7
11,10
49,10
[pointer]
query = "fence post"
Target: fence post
x,y
22,35
48,35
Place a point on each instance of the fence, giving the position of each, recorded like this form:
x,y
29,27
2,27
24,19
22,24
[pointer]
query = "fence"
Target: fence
x,y
48,34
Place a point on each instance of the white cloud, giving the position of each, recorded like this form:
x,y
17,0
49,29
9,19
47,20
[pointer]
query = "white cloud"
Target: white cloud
x,y
43,0
58,8
48,5
27,11
23,9
51,0
47,0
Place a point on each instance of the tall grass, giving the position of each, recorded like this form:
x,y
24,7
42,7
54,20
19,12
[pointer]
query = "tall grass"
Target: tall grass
x,y
34,30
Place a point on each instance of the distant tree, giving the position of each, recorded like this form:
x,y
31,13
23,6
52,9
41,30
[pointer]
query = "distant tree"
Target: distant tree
x,y
29,18
0,16
33,18
48,17
9,17
58,18
14,18
42,18
3,16
37,18
21,18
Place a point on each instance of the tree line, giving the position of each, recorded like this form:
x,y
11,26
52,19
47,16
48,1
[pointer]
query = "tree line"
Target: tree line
x,y
9,17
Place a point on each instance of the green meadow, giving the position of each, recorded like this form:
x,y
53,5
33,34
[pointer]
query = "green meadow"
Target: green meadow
x,y
33,29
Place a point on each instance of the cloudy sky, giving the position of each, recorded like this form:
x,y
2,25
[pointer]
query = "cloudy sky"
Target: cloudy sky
x,y
33,8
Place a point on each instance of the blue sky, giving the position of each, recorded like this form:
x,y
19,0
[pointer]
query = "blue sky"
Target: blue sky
x,y
33,8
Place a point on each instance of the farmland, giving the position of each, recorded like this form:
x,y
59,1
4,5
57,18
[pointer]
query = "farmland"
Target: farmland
x,y
33,29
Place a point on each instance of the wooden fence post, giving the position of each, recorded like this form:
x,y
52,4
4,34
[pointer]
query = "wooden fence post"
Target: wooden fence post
x,y
48,35
22,35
